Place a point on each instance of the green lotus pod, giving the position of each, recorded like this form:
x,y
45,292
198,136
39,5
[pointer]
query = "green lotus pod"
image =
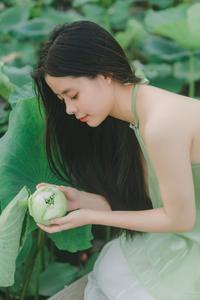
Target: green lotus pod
x,y
47,203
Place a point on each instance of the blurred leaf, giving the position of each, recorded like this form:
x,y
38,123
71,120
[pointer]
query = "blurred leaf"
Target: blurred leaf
x,y
56,276
161,4
27,245
20,266
35,278
47,2
193,21
93,12
4,113
157,70
78,3
81,237
168,83
163,49
11,220
3,129
17,2
59,17
182,70
134,33
21,93
119,13
6,87
18,52
34,28
160,75
12,17
18,76
154,20
178,23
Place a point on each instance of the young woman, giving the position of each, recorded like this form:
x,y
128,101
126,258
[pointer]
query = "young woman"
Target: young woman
x,y
132,154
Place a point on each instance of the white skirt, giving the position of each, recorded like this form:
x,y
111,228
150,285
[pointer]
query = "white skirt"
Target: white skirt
x,y
111,278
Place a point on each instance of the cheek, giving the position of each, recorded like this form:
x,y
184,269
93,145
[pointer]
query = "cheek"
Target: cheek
x,y
100,108
103,102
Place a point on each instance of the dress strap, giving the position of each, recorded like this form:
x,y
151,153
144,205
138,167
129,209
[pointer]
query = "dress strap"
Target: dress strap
x,y
143,80
133,106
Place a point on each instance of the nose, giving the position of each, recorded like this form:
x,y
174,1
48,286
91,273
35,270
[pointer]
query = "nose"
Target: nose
x,y
70,108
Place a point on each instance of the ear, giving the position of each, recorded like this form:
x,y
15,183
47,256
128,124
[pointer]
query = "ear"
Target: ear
x,y
108,78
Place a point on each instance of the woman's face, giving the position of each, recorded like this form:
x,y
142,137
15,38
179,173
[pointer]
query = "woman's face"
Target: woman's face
x,y
84,97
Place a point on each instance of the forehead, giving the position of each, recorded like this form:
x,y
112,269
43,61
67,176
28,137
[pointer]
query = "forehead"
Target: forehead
x,y
58,83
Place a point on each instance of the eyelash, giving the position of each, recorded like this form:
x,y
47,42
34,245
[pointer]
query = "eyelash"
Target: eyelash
x,y
73,98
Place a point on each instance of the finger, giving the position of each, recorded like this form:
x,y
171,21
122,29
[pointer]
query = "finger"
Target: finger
x,y
59,221
42,184
68,190
69,218
54,229
49,229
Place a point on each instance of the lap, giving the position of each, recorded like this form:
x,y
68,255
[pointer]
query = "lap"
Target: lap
x,y
112,276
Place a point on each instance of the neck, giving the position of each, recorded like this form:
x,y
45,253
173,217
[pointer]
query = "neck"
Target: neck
x,y
121,108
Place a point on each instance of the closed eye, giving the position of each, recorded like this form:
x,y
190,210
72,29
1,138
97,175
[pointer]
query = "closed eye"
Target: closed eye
x,y
75,97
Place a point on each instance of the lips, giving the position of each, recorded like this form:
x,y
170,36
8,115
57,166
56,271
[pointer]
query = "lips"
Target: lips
x,y
84,119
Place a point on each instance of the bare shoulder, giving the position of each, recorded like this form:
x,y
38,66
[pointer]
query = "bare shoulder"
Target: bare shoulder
x,y
167,116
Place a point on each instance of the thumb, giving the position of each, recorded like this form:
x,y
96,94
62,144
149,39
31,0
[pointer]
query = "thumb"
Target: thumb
x,y
69,191
42,184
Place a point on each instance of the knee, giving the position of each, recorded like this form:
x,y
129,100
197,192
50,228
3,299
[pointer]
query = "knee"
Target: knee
x,y
103,266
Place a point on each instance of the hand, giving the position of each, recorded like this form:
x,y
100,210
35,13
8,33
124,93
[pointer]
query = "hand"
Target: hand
x,y
74,219
72,195
81,199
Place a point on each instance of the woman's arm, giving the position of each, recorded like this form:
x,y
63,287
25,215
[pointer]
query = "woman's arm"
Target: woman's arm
x,y
93,201
151,220
168,147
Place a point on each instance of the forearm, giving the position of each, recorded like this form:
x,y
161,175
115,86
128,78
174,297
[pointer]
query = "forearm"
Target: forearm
x,y
151,220
94,202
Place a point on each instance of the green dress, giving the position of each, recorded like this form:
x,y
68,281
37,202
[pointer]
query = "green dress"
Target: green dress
x,y
167,264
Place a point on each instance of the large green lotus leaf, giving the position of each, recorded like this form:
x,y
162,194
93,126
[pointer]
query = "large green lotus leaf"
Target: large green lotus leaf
x,y
178,23
11,221
73,239
23,162
161,48
11,17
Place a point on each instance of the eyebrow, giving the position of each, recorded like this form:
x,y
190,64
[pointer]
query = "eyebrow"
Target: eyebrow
x,y
64,92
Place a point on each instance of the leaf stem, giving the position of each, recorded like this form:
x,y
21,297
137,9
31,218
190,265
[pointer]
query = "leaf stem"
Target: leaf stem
x,y
7,293
31,263
51,256
192,80
108,233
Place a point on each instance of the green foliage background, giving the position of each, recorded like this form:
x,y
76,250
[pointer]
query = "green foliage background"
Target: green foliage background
x,y
161,39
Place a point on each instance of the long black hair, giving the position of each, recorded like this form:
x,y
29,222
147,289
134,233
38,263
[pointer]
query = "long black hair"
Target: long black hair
x,y
106,159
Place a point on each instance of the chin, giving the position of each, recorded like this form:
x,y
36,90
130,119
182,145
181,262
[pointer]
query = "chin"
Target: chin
x,y
93,124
